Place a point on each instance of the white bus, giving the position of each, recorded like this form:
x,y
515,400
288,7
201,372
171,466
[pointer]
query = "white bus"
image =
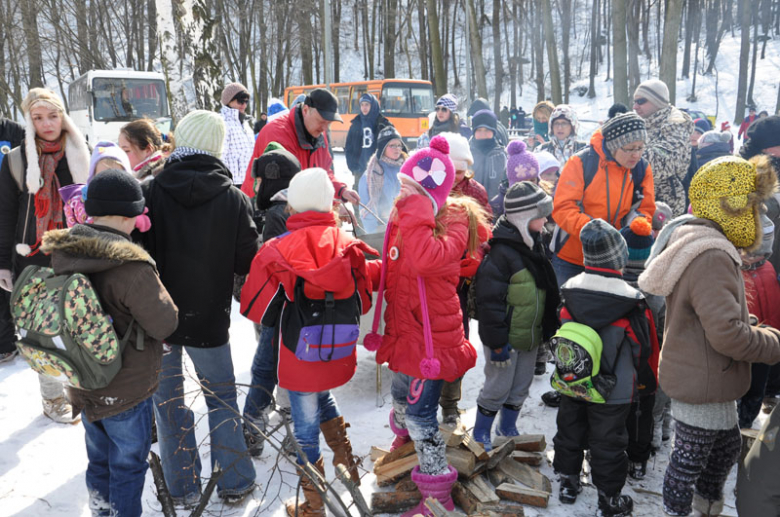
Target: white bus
x,y
102,101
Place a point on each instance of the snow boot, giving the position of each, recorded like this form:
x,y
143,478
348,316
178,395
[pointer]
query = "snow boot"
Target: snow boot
x,y
335,433
615,506
637,470
439,487
312,505
551,398
60,411
507,421
450,416
483,426
401,433
570,488
705,508
540,368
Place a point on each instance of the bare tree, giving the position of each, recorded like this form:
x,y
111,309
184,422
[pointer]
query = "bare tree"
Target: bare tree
x,y
499,72
620,77
594,47
476,51
744,56
34,58
668,63
552,53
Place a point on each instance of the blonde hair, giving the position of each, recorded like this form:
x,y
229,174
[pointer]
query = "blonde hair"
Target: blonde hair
x,y
476,214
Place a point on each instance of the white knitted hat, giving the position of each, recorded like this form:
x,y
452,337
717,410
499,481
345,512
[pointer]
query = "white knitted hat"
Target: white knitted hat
x,y
460,151
311,189
202,130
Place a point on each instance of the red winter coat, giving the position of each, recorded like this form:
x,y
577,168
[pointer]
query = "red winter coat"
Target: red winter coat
x,y
762,292
413,250
745,125
284,131
326,258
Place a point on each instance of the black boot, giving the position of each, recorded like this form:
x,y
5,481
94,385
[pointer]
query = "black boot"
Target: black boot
x,y
540,368
637,469
615,506
551,399
570,487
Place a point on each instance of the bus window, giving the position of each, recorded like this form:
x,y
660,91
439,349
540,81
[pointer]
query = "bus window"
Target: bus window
x,y
342,94
357,92
124,99
422,100
78,97
406,100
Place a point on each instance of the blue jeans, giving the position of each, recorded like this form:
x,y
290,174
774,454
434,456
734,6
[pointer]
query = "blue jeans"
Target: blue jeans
x,y
419,401
565,270
117,448
176,424
308,411
264,379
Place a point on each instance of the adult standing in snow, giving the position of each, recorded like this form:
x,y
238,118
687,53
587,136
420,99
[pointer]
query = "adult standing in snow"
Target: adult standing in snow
x,y
302,132
502,136
239,138
489,155
541,124
202,234
445,121
53,155
504,116
746,122
363,134
668,147
11,136
563,126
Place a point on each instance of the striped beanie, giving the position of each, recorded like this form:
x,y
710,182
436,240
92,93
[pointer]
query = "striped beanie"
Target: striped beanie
x,y
202,130
524,202
655,91
603,246
623,129
449,101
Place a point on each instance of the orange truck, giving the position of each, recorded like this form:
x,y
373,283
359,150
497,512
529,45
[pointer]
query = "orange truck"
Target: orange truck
x,y
405,102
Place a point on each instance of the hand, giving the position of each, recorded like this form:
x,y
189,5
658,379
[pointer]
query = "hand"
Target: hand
x,y
499,357
350,196
6,280
539,139
468,267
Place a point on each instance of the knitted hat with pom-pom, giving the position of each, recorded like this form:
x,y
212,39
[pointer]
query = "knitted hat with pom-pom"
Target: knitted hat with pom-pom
x,y
432,169
521,165
639,240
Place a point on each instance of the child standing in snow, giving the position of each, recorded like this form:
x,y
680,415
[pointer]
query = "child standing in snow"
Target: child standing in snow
x,y
424,343
118,418
515,278
291,279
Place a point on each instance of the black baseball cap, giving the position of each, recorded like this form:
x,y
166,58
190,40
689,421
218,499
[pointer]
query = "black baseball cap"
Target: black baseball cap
x,y
326,104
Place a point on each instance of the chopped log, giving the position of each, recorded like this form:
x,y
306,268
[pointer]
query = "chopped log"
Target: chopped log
x,y
524,442
525,475
406,485
389,473
506,510
475,447
523,495
483,492
464,461
406,449
529,458
394,502
465,498
453,435
437,509
498,454
498,477
377,452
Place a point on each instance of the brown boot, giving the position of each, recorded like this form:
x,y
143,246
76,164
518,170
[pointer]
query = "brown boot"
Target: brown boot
x,y
335,432
313,505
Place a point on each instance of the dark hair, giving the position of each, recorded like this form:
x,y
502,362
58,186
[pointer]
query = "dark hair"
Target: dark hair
x,y
616,109
142,133
452,126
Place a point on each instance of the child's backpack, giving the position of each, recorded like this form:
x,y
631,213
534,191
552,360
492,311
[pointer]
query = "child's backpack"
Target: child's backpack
x,y
577,349
324,329
65,334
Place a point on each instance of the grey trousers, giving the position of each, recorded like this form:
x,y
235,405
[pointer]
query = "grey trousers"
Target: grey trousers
x,y
507,385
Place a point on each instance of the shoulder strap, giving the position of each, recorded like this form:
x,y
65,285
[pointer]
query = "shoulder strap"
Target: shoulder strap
x,y
16,166
139,341
590,165
638,176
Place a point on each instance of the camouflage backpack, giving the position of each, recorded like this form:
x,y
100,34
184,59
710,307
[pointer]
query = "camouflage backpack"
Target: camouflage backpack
x,y
64,332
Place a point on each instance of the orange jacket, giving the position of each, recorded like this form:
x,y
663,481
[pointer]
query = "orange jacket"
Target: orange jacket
x,y
607,197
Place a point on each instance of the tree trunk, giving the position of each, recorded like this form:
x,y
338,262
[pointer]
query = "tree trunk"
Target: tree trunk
x,y
689,30
439,79
476,51
565,30
335,24
304,22
754,15
35,59
423,46
744,57
594,44
82,32
499,73
552,53
668,66
391,13
633,46
620,76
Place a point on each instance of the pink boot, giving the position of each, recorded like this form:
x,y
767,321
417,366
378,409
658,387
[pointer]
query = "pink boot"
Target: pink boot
x,y
438,487
401,434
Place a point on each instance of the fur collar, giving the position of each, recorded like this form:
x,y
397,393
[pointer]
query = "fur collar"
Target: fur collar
x,y
95,242
76,152
685,244
602,284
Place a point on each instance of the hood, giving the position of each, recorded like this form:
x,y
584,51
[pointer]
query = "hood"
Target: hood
x,y
597,300
667,115
373,114
194,180
675,250
717,149
91,249
478,105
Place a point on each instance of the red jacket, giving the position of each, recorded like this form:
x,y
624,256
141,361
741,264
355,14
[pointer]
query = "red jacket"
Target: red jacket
x,y
762,291
413,250
326,258
745,125
283,131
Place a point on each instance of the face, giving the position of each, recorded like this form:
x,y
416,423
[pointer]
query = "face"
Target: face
x,y
542,118
536,225
365,107
315,124
562,128
263,117
642,106
239,105
483,133
134,154
630,154
393,149
442,114
550,175
47,123
695,138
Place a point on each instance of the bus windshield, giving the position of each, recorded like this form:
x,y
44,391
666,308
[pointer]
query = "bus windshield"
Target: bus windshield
x,y
128,99
410,100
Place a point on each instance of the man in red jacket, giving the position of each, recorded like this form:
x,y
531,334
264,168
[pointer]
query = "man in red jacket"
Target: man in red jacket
x,y
303,133
746,123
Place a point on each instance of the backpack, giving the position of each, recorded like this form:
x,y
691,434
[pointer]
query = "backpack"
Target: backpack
x,y
577,351
65,334
324,329
16,167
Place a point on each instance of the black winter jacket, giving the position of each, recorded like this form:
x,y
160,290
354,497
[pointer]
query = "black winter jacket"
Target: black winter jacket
x,y
357,159
202,233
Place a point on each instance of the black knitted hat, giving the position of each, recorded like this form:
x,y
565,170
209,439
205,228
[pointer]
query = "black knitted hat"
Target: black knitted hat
x,y
114,192
275,168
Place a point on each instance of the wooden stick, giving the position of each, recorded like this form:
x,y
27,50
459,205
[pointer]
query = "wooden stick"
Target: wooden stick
x,y
163,494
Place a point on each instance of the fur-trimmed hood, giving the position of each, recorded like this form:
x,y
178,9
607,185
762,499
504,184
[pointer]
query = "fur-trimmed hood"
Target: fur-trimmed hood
x,y
91,249
685,242
76,153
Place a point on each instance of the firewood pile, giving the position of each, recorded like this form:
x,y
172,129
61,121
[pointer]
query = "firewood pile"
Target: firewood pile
x,y
495,483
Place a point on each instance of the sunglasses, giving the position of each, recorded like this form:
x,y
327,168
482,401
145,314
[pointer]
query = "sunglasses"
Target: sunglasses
x,y
243,100
441,108
640,101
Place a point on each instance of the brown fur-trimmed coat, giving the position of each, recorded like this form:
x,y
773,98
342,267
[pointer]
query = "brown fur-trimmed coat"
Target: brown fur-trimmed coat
x,y
126,280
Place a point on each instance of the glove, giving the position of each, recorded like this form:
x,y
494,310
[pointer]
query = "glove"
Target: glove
x,y
469,266
499,357
6,280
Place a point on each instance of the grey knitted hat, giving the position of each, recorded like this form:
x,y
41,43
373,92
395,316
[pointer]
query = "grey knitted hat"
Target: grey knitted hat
x,y
603,246
623,129
524,202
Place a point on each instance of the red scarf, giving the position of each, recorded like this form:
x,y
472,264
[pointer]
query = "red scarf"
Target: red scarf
x,y
48,203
